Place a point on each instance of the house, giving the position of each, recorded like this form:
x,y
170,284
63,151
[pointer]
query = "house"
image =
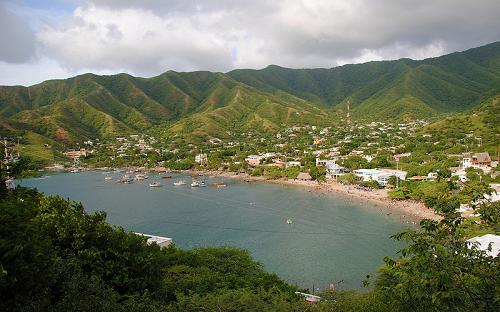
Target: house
x,y
201,158
253,160
76,154
481,160
460,173
478,160
333,170
215,141
483,242
304,176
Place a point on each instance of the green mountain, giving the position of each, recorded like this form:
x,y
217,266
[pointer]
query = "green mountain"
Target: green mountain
x,y
202,103
450,83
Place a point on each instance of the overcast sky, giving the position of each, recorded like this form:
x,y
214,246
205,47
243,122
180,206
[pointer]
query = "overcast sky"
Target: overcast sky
x,y
61,38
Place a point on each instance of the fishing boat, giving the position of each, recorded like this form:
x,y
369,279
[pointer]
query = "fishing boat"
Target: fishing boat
x,y
195,184
155,184
289,221
181,182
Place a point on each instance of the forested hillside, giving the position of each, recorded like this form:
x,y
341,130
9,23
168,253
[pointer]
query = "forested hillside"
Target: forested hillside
x,y
211,104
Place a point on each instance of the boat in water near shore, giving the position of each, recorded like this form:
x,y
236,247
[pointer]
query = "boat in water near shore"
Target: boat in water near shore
x,y
155,184
218,184
126,179
179,183
195,184
140,177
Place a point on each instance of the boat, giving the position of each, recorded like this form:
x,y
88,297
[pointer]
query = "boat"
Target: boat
x,y
289,221
195,184
167,177
155,184
218,184
140,177
108,178
203,183
75,171
181,182
125,180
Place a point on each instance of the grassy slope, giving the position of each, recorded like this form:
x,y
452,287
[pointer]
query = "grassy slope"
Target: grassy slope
x,y
483,123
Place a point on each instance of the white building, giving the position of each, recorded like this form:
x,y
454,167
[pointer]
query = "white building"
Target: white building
x,y
484,241
201,158
380,175
333,170
160,241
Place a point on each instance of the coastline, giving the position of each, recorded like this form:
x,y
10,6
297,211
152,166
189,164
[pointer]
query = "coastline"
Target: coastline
x,y
377,196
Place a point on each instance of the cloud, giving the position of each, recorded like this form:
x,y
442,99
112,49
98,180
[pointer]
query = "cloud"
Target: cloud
x,y
149,37
18,40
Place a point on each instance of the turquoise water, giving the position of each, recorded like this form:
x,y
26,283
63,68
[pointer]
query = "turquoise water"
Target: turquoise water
x,y
332,238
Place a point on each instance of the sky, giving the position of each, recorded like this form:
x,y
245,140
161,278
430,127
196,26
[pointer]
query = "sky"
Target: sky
x,y
44,40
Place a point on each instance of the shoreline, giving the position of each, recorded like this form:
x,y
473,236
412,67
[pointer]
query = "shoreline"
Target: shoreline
x,y
379,197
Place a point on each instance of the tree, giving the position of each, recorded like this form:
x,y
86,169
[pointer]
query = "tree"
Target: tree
x,y
439,271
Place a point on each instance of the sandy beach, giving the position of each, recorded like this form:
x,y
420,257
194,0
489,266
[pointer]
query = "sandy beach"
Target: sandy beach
x,y
377,196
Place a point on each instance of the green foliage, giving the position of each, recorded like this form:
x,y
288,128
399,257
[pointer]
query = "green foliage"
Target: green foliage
x,y
439,272
399,193
355,162
349,178
55,256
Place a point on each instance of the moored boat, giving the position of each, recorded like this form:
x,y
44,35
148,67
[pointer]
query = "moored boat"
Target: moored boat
x,y
155,184
140,177
195,184
181,182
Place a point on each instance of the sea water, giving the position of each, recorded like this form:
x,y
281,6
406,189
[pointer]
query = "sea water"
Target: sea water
x,y
332,239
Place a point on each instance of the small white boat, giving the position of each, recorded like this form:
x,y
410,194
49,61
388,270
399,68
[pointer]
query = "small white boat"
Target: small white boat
x,y
108,178
289,221
195,184
155,184
203,183
178,183
75,171
140,177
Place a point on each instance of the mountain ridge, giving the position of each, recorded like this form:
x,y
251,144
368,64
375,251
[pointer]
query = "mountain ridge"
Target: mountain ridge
x,y
89,105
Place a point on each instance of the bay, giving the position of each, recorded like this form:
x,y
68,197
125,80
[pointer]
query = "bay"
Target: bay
x,y
332,239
